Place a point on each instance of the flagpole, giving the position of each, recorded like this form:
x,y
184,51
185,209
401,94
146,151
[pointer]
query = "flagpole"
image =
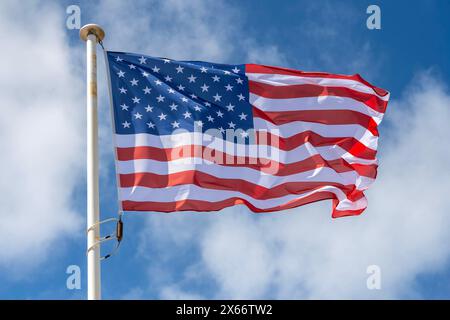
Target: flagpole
x,y
92,34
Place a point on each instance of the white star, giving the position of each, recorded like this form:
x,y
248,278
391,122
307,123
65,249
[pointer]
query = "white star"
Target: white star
x,y
240,96
175,124
239,81
216,78
158,82
131,66
230,107
173,107
210,119
219,114
193,96
136,100
151,125
142,60
243,116
134,82
204,87
199,123
170,90
121,74
244,134
180,87
203,69
166,60
184,99
124,107
187,114
162,116
147,90
236,70
145,74
148,108
221,130
217,97
197,108
160,98
126,124
207,104
119,59
232,125
123,90
168,79
226,72
229,87
155,69
137,115
179,69
192,78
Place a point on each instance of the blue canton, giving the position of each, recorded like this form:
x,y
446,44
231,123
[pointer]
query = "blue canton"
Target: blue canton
x,y
157,95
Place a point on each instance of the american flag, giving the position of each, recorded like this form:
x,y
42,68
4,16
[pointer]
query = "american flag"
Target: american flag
x,y
201,136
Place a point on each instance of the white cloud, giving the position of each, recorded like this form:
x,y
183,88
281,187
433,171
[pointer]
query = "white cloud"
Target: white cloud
x,y
334,37
175,29
40,134
133,294
234,250
268,55
173,292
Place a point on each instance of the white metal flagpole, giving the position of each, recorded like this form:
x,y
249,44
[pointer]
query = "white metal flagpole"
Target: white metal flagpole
x,y
92,34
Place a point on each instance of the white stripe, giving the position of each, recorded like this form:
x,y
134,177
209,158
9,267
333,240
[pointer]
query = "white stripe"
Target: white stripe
x,y
330,131
286,80
300,153
243,173
314,103
193,192
346,204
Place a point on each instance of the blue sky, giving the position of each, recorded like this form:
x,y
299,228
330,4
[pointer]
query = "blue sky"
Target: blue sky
x,y
302,253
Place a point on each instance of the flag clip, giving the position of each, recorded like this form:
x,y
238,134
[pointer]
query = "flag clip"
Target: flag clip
x,y
117,235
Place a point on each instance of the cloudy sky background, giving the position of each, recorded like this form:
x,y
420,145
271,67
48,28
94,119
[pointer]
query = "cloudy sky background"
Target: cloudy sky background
x,y
298,254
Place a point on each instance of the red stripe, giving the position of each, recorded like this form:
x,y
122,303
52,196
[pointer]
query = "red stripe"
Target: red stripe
x,y
207,181
254,68
265,165
206,206
330,117
349,144
312,90
344,213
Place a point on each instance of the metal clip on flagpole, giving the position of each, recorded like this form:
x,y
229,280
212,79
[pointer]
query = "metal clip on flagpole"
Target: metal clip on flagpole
x,y
117,235
92,34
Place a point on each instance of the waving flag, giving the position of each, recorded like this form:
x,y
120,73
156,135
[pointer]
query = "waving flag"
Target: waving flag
x,y
201,136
